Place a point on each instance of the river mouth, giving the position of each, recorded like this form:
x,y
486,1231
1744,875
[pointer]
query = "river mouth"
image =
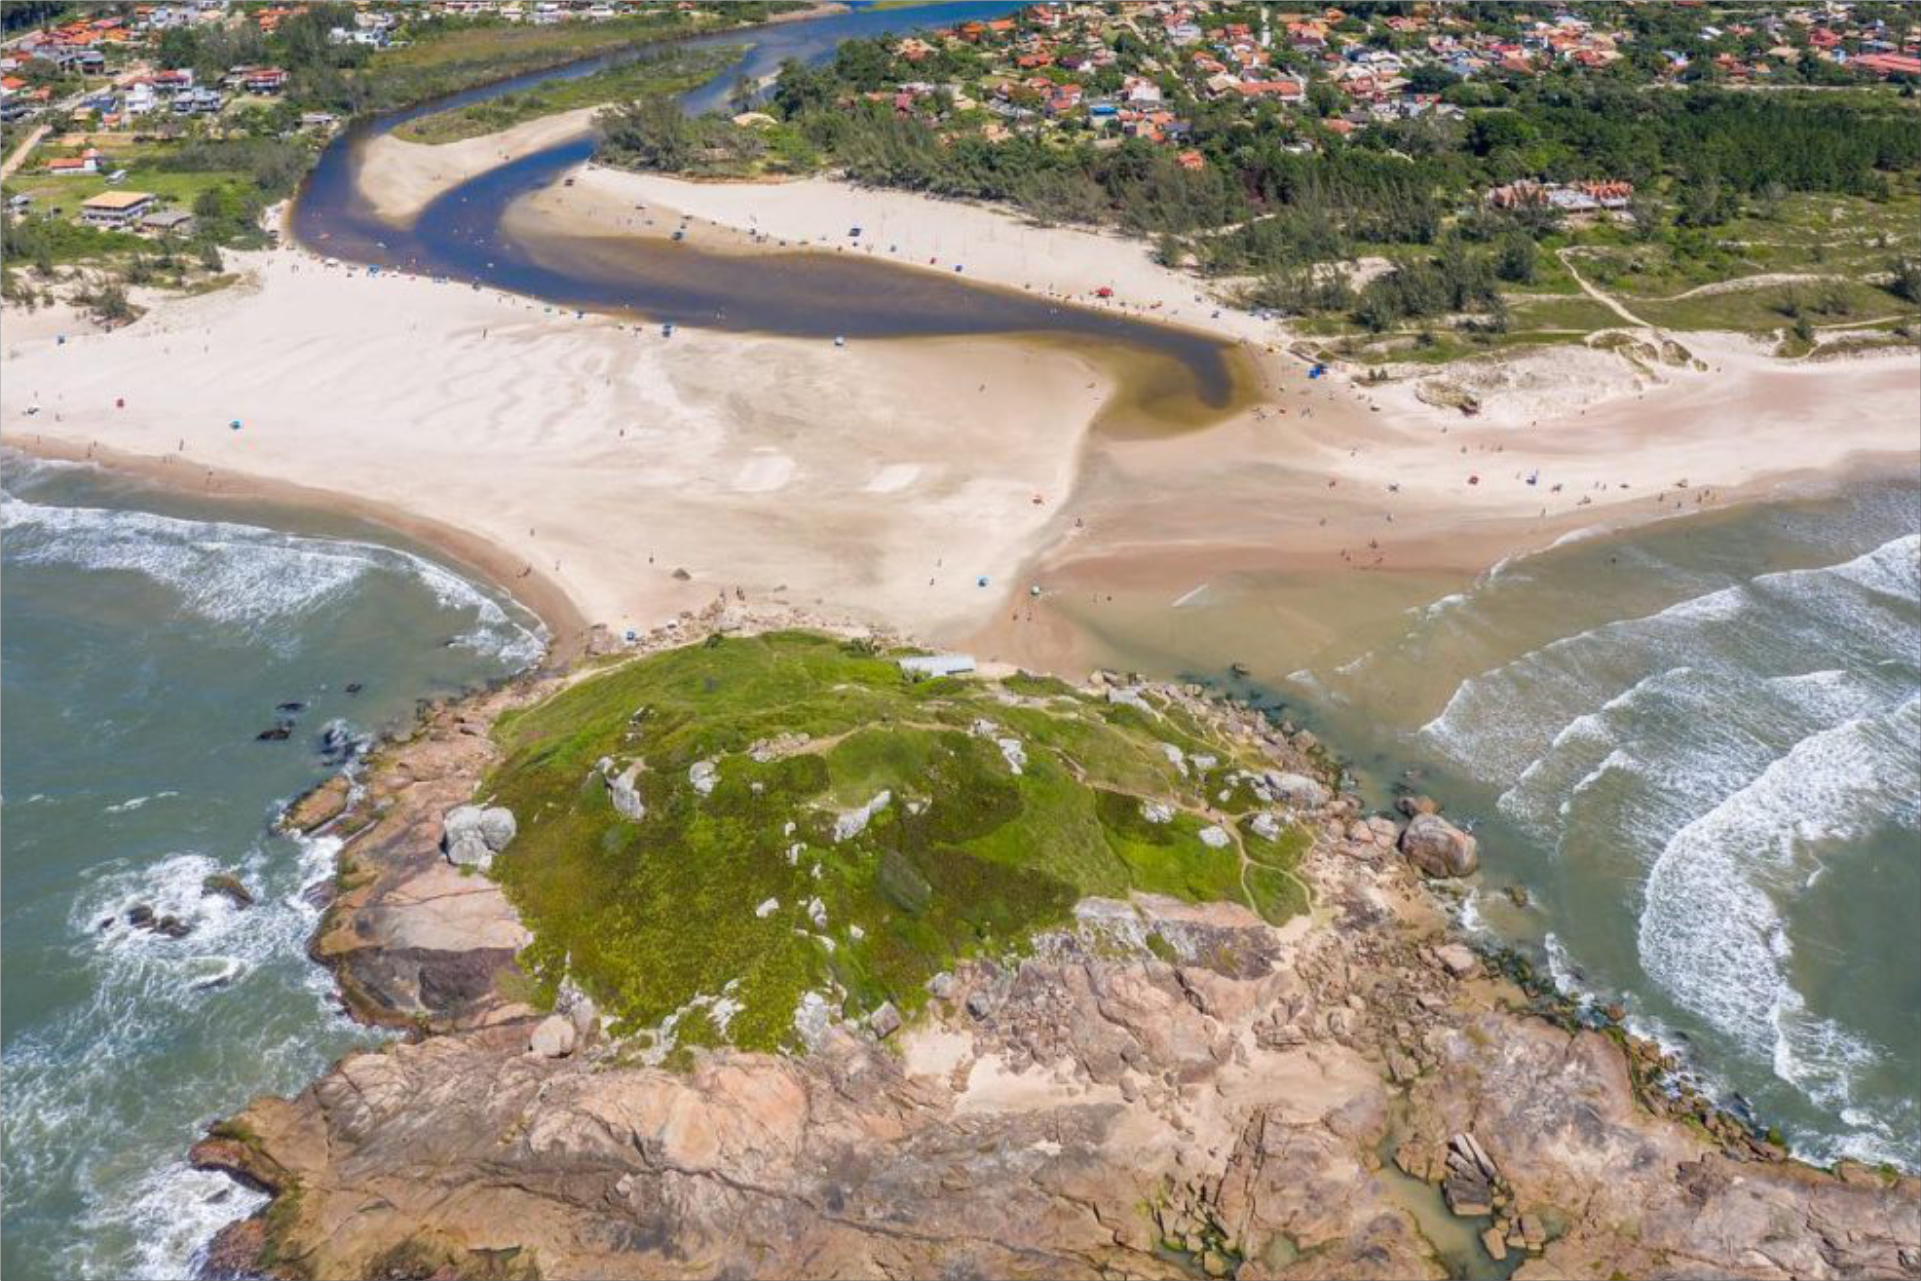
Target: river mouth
x,y
480,232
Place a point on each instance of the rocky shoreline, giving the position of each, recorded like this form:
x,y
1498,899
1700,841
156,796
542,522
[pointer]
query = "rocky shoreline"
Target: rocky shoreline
x,y
1161,1089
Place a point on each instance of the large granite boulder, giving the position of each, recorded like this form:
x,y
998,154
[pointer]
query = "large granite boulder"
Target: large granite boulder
x,y
1297,790
554,1037
472,835
1437,848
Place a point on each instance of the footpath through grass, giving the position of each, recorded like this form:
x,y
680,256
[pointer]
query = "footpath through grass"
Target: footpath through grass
x,y
750,884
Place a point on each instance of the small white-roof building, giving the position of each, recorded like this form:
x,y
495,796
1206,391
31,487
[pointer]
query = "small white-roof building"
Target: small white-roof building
x,y
937,664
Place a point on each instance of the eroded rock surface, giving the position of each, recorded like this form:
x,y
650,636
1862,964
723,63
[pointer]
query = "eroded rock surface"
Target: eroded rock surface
x,y
1162,1090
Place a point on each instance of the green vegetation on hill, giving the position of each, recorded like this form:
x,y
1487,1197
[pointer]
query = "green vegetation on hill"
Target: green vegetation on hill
x,y
1006,802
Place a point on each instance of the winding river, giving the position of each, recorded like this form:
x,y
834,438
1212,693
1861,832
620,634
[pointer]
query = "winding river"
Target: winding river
x,y
462,235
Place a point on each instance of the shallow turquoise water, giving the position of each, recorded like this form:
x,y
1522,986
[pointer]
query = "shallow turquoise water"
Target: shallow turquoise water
x,y
146,641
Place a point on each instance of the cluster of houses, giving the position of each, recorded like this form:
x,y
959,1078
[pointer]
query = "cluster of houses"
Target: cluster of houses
x,y
1605,197
1061,65
105,43
1758,46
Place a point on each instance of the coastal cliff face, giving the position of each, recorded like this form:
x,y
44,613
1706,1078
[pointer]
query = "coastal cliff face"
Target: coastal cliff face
x,y
1151,1088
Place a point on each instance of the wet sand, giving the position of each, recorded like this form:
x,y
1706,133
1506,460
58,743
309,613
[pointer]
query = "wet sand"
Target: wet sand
x,y
539,594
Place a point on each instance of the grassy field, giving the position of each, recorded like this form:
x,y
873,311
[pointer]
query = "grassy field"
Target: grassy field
x,y
670,72
1775,306
461,57
716,911
63,195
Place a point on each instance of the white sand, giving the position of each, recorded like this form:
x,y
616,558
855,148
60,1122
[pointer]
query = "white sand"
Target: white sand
x,y
608,456
991,245
402,178
747,461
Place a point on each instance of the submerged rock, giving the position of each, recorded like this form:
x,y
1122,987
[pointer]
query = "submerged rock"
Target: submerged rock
x,y
1437,848
337,744
279,732
1415,805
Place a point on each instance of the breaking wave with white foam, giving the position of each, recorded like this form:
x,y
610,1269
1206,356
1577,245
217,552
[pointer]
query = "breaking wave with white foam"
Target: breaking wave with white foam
x,y
246,575
165,997
1713,757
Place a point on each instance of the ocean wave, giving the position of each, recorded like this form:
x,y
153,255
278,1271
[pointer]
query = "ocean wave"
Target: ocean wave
x,y
218,998
137,802
1712,932
1498,723
246,575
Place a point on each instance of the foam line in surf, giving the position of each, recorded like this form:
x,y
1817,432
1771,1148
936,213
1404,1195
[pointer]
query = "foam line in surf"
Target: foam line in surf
x,y
245,574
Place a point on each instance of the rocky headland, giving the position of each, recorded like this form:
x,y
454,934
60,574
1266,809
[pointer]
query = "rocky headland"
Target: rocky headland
x,y
1152,1085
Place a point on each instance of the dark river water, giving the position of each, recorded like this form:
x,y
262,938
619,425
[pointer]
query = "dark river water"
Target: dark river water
x,y
461,235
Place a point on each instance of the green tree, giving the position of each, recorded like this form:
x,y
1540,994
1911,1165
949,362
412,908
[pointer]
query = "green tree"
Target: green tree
x,y
1515,260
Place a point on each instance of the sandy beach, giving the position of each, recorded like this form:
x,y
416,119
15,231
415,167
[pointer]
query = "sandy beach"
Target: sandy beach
x,y
401,178
644,476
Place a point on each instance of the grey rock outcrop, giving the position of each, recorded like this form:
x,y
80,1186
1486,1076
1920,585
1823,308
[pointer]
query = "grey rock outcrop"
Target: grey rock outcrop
x,y
624,795
1297,790
472,835
554,1037
1437,848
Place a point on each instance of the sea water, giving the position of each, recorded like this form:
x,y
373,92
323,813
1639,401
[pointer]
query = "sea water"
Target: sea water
x,y
147,640
1693,746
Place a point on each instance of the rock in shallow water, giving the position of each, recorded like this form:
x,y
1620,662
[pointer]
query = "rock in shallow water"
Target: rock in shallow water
x,y
1437,848
229,887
